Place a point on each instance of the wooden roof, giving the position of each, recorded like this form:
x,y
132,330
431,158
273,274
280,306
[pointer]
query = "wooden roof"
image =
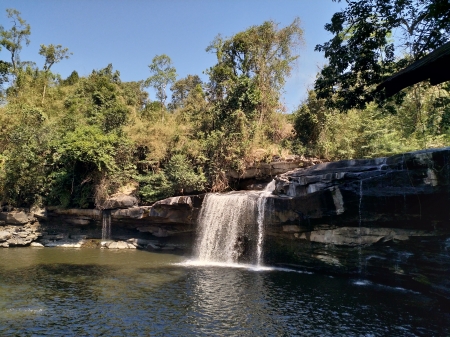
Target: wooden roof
x,y
435,66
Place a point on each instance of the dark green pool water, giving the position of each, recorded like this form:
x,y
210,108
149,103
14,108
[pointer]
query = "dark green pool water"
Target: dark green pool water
x,y
93,292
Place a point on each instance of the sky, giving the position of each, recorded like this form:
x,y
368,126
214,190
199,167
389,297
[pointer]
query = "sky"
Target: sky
x,y
130,33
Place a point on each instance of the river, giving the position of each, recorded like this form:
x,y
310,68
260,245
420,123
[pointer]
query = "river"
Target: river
x,y
101,292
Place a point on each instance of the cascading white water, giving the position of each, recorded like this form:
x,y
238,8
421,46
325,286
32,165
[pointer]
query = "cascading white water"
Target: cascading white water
x,y
106,225
222,225
221,220
359,226
261,203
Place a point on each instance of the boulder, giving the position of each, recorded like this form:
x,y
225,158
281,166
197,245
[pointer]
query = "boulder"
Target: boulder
x,y
120,201
140,242
176,210
39,213
17,218
4,236
120,245
129,213
175,202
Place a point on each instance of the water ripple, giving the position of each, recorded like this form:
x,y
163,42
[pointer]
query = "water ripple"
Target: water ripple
x,y
95,293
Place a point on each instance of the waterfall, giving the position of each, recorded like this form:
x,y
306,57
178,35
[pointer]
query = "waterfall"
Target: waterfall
x,y
261,203
359,226
106,225
225,226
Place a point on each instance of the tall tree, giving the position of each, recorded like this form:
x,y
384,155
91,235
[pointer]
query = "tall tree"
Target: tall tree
x,y
13,39
362,52
163,74
52,54
255,63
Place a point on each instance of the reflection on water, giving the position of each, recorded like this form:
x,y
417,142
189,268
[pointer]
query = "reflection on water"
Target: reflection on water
x,y
92,292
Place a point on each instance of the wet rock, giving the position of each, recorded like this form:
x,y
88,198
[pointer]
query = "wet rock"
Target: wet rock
x,y
78,221
78,237
55,236
157,231
4,244
120,245
63,243
382,218
140,242
36,244
354,236
152,246
93,214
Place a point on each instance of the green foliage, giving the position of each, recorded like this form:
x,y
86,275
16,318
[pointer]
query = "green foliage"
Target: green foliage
x,y
53,54
25,157
89,144
178,177
13,39
72,79
95,134
154,187
362,54
181,90
180,171
163,73
416,123
100,99
253,66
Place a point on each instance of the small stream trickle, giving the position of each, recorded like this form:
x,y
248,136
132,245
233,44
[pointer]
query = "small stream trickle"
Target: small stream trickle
x,y
106,225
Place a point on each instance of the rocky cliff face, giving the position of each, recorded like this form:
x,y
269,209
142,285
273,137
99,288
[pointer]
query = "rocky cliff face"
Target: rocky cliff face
x,y
158,226
384,218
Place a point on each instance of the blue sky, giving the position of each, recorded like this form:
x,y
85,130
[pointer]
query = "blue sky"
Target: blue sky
x,y
130,33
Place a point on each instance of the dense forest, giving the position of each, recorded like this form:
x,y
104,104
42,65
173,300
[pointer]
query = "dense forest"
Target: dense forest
x,y
74,141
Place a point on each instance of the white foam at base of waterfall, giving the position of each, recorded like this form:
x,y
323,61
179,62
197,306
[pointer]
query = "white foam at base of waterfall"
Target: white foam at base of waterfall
x,y
252,267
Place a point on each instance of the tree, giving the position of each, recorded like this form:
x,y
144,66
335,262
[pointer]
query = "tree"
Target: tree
x,y
254,63
163,74
181,89
362,53
100,100
12,39
52,54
